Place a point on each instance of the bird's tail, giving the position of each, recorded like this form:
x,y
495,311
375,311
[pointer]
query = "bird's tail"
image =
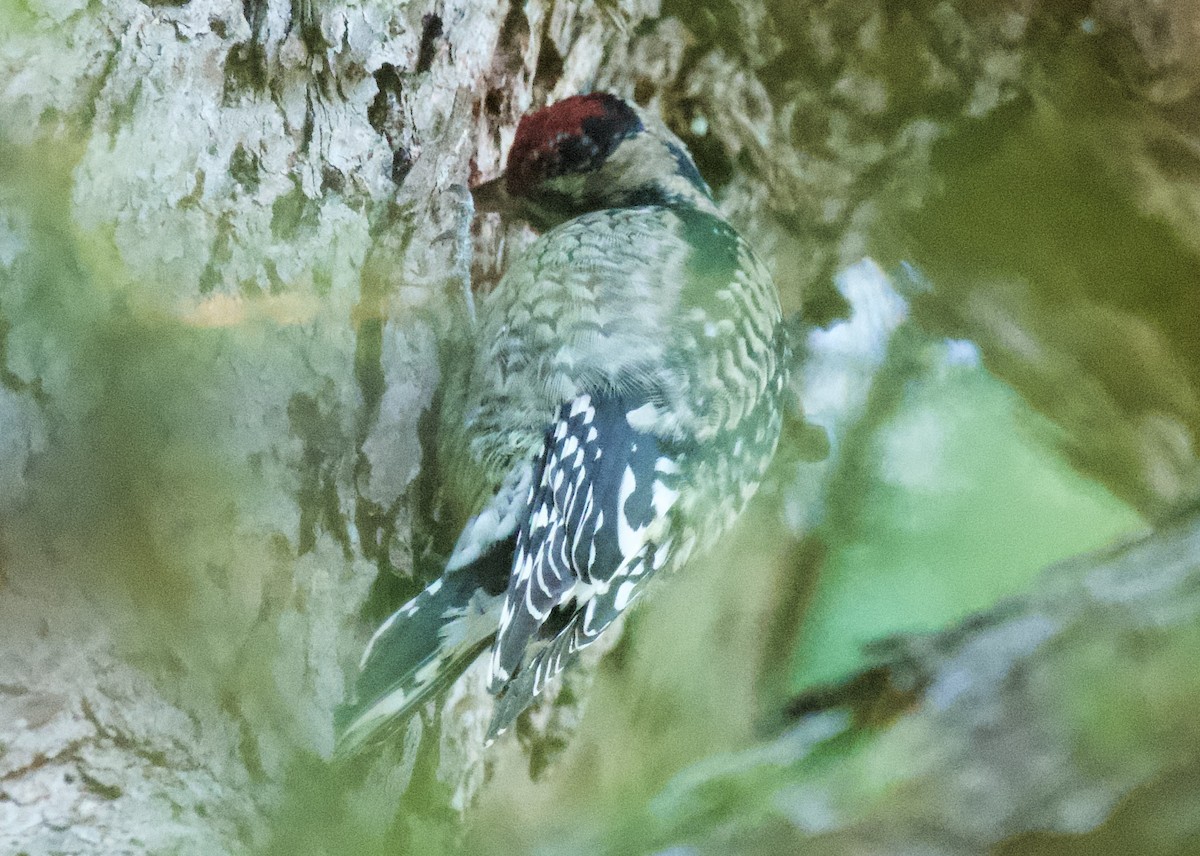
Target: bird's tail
x,y
423,647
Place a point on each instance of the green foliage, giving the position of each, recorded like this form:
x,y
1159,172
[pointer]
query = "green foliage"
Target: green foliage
x,y
960,500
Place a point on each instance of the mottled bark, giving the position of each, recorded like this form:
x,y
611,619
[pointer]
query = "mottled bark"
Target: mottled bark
x,y
232,235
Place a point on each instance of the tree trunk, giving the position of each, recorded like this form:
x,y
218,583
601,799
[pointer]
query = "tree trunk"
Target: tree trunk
x,y
232,236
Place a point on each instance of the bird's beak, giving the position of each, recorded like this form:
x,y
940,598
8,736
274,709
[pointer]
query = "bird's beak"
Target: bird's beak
x,y
492,196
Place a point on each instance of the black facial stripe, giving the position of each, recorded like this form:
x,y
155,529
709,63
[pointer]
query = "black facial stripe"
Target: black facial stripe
x,y
618,122
686,168
600,138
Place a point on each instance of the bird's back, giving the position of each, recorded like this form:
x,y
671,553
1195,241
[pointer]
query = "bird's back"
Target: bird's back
x,y
661,302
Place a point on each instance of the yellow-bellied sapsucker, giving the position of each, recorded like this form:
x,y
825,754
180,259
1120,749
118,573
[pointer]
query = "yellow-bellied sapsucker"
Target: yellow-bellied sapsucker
x,y
620,408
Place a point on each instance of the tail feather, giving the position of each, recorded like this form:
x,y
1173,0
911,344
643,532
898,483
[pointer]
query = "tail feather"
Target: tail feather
x,y
422,648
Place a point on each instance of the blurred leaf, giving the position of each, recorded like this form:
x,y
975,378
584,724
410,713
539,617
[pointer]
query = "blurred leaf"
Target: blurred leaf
x,y
960,500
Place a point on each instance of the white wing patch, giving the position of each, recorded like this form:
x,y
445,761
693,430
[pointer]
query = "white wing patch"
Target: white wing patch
x,y
497,521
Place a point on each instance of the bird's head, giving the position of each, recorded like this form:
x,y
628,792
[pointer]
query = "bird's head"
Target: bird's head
x,y
588,153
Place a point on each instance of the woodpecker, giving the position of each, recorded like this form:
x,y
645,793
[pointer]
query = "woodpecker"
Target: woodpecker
x,y
620,406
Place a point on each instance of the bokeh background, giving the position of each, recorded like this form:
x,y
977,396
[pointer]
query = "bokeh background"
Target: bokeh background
x,y
960,617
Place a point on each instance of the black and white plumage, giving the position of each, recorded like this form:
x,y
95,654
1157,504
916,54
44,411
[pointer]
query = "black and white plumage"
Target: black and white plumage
x,y
619,408
596,523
